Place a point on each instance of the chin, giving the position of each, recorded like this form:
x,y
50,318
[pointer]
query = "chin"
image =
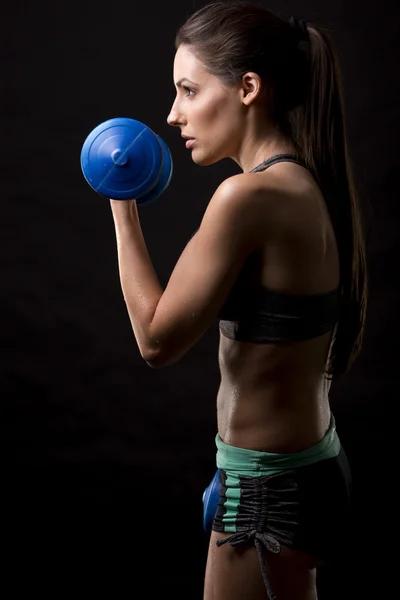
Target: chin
x,y
204,160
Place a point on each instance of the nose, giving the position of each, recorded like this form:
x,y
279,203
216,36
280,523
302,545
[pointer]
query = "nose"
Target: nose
x,y
173,118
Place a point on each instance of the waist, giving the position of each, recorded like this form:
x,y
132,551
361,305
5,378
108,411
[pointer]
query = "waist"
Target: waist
x,y
245,461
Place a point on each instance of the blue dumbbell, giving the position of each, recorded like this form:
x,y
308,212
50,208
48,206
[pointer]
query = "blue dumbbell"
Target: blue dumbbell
x,y
124,159
210,502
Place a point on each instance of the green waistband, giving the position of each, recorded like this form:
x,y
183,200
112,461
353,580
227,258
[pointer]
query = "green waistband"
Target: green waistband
x,y
253,462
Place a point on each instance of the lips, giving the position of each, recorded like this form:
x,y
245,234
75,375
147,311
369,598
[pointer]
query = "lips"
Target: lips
x,y
189,142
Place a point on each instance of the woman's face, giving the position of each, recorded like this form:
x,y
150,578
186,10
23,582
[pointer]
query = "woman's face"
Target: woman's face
x,y
205,110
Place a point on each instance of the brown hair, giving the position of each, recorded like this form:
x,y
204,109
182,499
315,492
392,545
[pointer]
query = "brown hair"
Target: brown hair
x,y
305,102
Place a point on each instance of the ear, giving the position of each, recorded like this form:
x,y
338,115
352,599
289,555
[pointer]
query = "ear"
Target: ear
x,y
251,87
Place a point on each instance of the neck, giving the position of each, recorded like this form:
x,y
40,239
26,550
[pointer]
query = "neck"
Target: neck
x,y
276,157
253,151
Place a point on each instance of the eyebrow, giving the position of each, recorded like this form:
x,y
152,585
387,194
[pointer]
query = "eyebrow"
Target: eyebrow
x,y
179,83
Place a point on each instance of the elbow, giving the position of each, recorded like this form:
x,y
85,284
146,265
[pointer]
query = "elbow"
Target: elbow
x,y
157,360
153,363
154,359
164,354
151,355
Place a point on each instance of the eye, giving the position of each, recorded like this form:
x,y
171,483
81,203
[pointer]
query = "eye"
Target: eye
x,y
189,90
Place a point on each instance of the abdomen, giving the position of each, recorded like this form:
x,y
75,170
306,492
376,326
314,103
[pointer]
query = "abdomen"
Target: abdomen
x,y
273,397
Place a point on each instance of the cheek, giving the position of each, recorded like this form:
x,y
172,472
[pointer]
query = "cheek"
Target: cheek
x,y
212,110
225,116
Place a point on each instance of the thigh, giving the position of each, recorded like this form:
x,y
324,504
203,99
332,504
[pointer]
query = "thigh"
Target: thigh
x,y
234,573
209,574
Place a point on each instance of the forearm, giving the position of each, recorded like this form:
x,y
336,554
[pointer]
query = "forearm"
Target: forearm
x,y
139,282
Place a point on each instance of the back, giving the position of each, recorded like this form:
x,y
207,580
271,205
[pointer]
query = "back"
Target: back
x,y
273,395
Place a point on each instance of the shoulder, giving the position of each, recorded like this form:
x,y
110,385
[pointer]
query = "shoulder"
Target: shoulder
x,y
235,207
283,198
258,190
242,184
257,201
277,208
242,211
242,193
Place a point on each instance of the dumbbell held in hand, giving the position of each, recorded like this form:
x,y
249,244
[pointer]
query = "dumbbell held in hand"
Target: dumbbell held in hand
x,y
124,159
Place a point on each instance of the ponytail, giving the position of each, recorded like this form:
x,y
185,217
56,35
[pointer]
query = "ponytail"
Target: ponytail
x,y
318,133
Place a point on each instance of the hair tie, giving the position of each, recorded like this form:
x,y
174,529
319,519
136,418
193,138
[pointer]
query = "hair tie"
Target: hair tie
x,y
300,27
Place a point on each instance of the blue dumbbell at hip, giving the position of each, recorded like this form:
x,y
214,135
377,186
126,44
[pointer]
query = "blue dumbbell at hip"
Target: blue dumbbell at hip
x,y
210,502
124,159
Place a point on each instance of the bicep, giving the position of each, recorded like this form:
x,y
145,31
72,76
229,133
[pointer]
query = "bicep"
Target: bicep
x,y
205,273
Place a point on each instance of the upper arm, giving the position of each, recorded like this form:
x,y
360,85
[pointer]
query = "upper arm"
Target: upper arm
x,y
206,270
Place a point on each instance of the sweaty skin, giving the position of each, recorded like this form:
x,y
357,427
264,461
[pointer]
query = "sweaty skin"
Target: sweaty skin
x,y
274,396
271,397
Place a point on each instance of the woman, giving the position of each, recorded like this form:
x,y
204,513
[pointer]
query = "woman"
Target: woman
x,y
279,259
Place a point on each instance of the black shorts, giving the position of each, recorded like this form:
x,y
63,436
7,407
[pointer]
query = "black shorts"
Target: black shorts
x,y
306,508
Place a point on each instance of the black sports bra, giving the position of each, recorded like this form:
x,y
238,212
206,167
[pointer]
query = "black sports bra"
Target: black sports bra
x,y
256,314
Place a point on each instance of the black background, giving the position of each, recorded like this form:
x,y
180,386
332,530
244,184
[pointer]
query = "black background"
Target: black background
x,y
104,459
